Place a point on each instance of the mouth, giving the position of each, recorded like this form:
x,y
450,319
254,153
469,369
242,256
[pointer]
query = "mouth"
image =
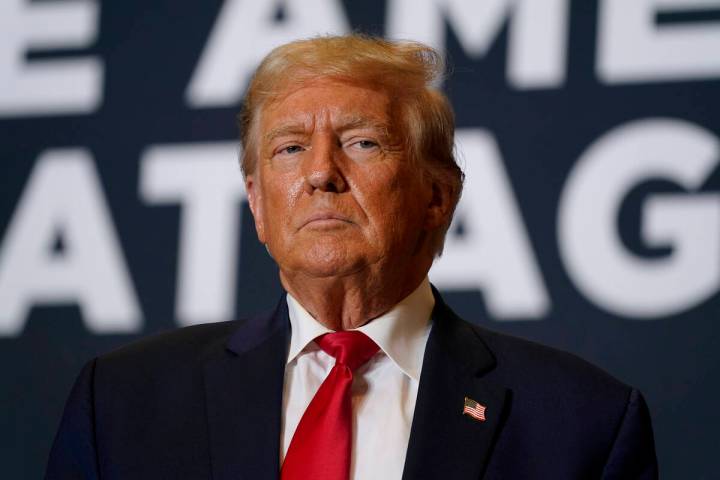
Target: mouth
x,y
326,220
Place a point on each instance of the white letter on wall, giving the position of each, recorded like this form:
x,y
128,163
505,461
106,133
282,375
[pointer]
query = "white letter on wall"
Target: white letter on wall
x,y
632,48
537,47
244,33
63,197
46,87
494,255
590,245
205,180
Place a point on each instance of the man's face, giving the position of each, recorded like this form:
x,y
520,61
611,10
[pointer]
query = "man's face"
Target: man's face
x,y
333,191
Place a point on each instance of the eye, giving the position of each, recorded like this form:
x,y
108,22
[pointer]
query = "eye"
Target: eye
x,y
362,147
363,144
289,149
366,144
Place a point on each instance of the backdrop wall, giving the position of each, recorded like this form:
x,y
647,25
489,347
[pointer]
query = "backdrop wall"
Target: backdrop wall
x,y
589,132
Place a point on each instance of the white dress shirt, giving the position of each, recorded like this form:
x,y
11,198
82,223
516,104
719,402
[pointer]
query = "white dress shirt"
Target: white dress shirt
x,y
384,390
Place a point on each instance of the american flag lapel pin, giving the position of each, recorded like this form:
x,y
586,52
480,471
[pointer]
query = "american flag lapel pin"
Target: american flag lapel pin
x,y
474,409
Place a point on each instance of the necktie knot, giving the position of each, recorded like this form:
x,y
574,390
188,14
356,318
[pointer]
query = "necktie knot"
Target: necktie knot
x,y
350,348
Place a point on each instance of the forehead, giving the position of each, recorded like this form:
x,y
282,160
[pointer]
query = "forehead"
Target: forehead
x,y
325,100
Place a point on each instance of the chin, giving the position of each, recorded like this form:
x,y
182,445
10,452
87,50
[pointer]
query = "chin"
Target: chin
x,y
323,260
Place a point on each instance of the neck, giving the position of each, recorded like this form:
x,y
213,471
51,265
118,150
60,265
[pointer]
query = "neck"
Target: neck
x,y
348,302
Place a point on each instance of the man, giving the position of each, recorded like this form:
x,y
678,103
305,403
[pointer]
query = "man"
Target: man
x,y
361,371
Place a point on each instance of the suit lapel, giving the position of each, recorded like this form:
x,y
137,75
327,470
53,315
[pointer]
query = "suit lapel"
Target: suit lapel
x,y
444,443
244,389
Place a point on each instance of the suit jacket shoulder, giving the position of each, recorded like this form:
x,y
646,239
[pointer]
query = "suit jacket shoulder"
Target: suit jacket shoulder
x,y
534,368
172,349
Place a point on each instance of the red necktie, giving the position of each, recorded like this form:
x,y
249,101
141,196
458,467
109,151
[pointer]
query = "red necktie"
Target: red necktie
x,y
320,448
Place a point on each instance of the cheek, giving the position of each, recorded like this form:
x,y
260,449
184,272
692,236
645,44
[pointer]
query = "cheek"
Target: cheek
x,y
282,194
393,204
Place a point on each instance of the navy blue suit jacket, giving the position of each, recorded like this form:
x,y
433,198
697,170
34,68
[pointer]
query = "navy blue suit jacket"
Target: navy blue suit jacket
x,y
205,402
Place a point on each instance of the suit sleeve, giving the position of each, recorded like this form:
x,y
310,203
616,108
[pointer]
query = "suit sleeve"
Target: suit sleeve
x,y
633,452
73,454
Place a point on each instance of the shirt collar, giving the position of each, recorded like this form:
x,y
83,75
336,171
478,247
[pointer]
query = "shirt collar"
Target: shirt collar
x,y
401,333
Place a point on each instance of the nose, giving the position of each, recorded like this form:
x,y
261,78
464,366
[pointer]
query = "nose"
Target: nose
x,y
321,171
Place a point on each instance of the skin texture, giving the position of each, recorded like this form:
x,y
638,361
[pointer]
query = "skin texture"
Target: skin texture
x,y
343,211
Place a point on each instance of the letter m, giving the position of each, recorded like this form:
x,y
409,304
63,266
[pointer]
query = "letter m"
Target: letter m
x,y
537,37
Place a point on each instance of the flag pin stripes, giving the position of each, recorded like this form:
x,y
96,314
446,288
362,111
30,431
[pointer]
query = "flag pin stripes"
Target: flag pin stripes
x,y
474,409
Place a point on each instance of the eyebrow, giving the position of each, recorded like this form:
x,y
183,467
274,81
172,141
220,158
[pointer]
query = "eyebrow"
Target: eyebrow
x,y
357,121
283,130
346,123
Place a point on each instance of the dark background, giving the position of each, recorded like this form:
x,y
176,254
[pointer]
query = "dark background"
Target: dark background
x,y
150,50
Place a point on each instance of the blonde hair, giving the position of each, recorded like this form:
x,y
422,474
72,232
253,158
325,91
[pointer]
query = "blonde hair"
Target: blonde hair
x,y
407,70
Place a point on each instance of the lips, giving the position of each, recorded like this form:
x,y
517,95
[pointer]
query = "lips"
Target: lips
x,y
325,219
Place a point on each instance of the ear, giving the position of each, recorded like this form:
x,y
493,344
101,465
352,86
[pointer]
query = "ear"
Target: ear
x,y
254,196
440,207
